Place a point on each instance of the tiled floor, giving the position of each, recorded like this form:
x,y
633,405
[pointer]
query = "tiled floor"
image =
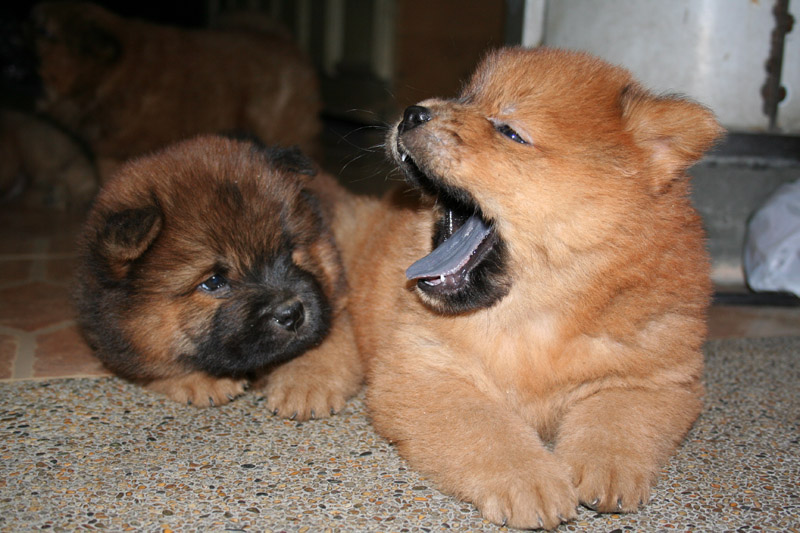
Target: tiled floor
x,y
38,335
39,338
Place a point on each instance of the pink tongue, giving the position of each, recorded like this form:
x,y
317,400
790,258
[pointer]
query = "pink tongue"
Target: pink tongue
x,y
452,254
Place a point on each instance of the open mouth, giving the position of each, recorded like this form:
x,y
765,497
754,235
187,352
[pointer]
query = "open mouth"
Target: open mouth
x,y
463,239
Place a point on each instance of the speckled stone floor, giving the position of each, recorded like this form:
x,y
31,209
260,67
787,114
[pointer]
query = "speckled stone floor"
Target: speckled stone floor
x,y
97,453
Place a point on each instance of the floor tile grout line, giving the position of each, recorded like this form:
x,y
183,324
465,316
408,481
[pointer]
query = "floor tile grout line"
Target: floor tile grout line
x,y
11,332
38,270
22,283
33,256
51,378
24,361
22,367
58,326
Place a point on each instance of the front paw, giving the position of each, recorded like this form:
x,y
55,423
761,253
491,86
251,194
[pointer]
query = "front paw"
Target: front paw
x,y
611,483
199,389
539,497
299,391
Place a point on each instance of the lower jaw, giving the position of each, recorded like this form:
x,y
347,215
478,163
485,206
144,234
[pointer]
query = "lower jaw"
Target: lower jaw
x,y
445,286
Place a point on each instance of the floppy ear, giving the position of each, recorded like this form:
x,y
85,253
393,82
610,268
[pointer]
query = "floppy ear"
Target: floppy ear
x,y
125,236
674,131
290,159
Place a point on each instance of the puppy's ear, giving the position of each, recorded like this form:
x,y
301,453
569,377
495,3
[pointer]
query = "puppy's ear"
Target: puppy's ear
x,y
291,160
126,235
675,132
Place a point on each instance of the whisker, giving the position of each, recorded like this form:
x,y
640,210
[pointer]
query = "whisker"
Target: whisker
x,y
352,160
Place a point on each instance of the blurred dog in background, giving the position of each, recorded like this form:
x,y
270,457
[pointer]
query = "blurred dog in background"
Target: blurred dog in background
x,y
42,166
127,87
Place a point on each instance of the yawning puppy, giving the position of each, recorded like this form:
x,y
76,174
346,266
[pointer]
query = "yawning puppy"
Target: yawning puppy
x,y
533,325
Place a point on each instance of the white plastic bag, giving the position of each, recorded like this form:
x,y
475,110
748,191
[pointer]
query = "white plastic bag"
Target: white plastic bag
x,y
772,244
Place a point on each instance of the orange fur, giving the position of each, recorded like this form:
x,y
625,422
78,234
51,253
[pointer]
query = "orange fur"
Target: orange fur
x,y
578,384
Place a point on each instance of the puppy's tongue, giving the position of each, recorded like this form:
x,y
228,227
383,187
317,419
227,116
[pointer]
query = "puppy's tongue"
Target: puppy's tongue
x,y
452,254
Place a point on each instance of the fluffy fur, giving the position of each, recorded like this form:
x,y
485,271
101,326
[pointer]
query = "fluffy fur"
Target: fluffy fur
x,y
563,365
127,87
210,263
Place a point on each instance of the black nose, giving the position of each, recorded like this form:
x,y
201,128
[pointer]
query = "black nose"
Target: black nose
x,y
414,116
290,314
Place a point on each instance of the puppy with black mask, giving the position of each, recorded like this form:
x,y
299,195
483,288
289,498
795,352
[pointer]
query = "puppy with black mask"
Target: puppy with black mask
x,y
209,265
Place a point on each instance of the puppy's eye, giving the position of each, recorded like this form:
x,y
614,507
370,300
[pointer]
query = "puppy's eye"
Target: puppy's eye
x,y
506,130
214,283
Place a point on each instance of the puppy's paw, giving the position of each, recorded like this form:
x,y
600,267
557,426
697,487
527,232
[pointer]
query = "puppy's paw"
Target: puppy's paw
x,y
301,390
610,483
542,497
199,389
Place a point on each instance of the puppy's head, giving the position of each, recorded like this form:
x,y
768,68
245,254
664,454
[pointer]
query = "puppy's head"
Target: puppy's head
x,y
210,255
545,153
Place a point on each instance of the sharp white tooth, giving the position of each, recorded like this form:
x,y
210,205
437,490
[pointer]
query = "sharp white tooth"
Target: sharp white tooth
x,y
403,156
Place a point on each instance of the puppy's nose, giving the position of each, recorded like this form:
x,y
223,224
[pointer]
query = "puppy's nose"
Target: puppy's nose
x,y
414,116
290,314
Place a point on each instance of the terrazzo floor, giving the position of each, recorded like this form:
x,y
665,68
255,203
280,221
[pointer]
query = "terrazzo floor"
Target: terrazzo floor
x,y
98,453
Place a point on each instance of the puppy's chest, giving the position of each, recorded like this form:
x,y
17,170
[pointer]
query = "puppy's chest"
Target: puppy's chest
x,y
538,377
523,359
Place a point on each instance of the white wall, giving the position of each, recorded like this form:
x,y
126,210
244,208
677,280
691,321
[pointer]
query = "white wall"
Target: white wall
x,y
711,50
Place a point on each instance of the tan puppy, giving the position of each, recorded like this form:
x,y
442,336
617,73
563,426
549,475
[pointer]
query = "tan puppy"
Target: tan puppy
x,y
548,352
126,87
210,264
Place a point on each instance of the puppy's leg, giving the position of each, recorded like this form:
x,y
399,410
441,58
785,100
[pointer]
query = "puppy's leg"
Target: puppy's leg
x,y
199,389
471,446
616,441
317,384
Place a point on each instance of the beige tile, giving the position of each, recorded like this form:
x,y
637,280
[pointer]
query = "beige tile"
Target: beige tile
x,y
8,351
34,305
14,271
64,240
64,353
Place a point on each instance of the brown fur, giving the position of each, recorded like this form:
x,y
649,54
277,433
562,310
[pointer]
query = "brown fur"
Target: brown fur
x,y
168,223
580,380
127,87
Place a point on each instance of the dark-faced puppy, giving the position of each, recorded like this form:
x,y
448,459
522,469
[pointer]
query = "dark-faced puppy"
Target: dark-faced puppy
x,y
127,87
209,264
533,325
